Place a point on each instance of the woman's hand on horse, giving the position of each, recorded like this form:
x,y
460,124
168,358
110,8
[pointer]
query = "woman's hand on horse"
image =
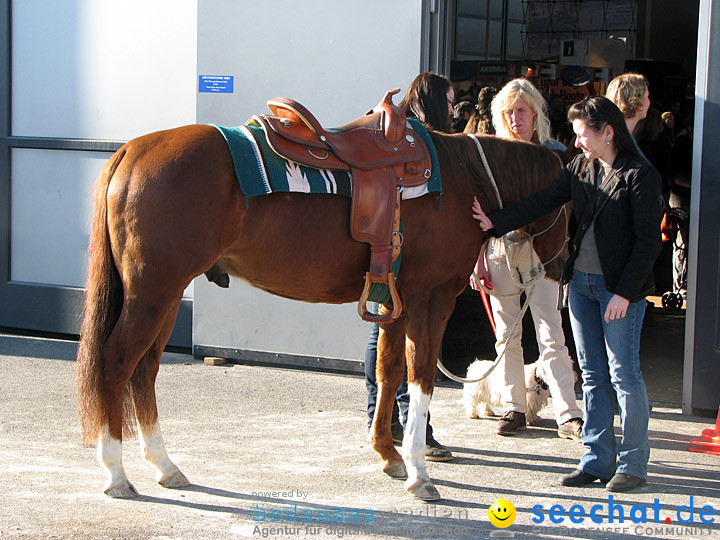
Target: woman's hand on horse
x,y
485,223
617,308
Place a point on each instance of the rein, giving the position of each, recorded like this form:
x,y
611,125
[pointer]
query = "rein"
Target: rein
x,y
527,287
531,237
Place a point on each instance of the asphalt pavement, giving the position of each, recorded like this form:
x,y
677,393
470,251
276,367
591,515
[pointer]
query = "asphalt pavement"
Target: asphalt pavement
x,y
279,453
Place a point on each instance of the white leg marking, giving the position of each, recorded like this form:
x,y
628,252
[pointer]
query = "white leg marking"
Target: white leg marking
x,y
109,454
413,447
153,451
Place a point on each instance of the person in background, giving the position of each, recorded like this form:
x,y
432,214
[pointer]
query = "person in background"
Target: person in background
x,y
429,98
461,114
630,92
481,120
648,133
665,142
616,198
519,112
560,128
679,119
668,119
680,176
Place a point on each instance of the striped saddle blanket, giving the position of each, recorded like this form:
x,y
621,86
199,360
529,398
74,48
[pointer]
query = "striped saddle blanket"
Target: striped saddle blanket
x,y
260,171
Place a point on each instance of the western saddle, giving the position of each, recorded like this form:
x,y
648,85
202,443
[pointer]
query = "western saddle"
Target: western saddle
x,y
383,154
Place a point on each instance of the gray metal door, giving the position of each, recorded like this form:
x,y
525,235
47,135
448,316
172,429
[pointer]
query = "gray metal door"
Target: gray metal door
x,y
29,250
701,383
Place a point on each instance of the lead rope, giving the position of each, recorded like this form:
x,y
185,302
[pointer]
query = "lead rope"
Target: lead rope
x,y
528,287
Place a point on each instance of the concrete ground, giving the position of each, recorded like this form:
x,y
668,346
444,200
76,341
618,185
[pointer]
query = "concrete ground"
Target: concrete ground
x,y
277,453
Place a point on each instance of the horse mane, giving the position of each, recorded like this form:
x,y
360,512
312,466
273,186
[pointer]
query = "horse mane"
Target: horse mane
x,y
519,168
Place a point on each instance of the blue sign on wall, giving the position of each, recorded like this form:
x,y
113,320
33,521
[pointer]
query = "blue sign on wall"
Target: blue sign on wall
x,y
219,84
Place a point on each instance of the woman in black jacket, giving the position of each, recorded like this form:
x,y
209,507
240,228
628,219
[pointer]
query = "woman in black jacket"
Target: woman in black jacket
x,y
616,197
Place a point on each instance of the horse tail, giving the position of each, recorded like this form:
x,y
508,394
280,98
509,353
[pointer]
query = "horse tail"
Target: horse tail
x,y
103,303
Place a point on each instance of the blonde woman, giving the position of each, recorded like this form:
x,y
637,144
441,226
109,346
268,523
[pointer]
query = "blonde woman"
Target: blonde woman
x,y
519,112
630,92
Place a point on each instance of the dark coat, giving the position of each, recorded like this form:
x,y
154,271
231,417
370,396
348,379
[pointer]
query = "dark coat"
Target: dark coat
x,y
628,210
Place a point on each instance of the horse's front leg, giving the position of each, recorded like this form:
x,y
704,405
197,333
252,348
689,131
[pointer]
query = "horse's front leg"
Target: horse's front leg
x,y
390,368
414,441
426,324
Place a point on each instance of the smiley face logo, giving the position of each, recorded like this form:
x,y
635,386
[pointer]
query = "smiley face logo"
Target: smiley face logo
x,y
502,513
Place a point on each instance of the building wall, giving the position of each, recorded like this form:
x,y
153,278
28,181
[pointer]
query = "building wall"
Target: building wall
x,y
81,76
86,70
338,71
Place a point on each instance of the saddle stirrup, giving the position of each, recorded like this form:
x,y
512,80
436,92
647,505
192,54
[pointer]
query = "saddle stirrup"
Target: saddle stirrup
x,y
394,297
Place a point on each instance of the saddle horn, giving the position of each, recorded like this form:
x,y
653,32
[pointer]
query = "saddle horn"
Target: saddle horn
x,y
394,118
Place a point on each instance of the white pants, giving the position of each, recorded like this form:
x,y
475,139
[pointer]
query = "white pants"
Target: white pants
x,y
554,356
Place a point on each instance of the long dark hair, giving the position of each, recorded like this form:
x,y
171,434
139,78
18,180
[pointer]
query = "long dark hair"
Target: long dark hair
x,y
599,111
426,100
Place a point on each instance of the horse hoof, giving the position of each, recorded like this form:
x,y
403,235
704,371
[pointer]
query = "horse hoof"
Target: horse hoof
x,y
124,490
175,479
397,471
425,491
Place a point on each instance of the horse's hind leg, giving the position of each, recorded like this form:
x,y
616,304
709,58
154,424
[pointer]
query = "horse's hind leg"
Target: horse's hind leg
x,y
142,383
109,454
136,331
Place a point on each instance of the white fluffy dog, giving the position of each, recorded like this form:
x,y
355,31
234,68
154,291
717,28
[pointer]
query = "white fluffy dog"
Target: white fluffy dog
x,y
483,398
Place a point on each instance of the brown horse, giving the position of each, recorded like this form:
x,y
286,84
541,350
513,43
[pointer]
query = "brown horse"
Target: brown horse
x,y
167,207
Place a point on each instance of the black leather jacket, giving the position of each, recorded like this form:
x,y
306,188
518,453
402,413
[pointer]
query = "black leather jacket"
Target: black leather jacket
x,y
628,211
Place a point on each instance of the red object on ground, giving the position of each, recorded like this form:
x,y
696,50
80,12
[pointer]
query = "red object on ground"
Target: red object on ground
x,y
710,441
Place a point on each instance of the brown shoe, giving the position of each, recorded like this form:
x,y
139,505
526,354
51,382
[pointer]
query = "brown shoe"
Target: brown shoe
x,y
572,429
511,422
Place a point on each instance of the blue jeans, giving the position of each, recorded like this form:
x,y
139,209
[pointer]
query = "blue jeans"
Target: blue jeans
x,y
609,357
402,398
